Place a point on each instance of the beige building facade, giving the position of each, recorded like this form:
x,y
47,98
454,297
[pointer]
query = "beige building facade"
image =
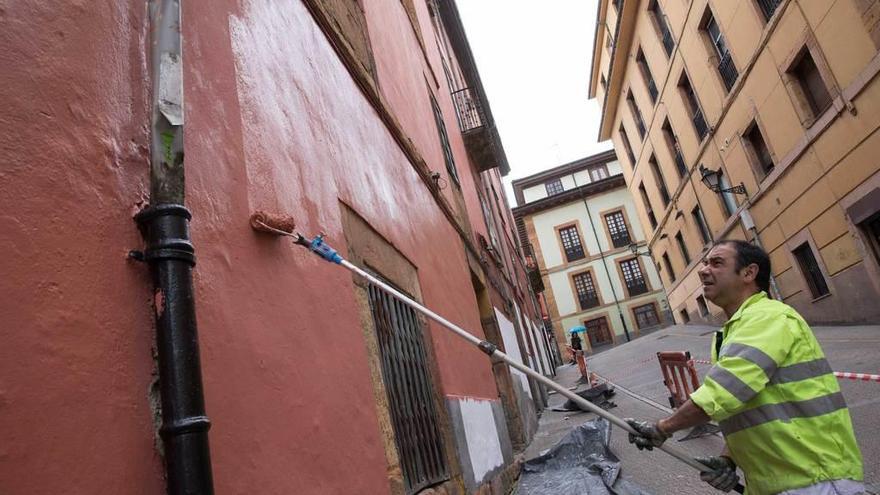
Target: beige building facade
x,y
580,229
776,105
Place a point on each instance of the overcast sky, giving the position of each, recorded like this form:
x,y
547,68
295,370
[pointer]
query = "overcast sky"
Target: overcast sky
x,y
534,60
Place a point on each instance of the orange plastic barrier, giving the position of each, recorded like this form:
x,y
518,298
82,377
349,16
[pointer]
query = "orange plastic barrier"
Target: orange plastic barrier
x,y
679,375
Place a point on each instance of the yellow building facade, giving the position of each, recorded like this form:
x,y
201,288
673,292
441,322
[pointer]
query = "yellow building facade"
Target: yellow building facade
x,y
774,103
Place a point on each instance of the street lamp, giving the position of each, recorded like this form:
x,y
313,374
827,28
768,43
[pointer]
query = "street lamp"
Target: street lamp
x,y
712,180
634,249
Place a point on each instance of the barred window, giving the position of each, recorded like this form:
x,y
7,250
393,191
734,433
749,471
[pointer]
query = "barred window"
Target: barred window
x,y
571,243
617,228
586,291
410,391
633,278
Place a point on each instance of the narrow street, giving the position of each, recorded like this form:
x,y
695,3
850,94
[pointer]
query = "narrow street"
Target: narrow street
x,y
633,369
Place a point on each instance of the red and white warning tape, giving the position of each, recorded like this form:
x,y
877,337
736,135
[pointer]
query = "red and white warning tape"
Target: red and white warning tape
x,y
866,377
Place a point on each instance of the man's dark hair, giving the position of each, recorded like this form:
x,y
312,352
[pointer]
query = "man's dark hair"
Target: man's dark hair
x,y
748,253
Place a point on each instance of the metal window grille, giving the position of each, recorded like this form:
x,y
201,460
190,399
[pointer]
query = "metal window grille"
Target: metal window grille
x,y
697,118
632,277
571,243
768,7
648,209
679,161
598,332
554,187
410,391
637,115
646,316
665,33
617,228
586,291
728,71
646,73
811,271
661,183
468,109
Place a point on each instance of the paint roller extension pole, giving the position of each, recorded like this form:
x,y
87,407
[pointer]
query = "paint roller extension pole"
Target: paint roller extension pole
x,y
322,249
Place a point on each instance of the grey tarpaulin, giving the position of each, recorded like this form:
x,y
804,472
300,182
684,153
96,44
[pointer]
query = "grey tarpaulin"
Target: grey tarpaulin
x,y
579,464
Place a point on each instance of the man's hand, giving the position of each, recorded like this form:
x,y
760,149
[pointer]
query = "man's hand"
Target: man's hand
x,y
650,435
723,474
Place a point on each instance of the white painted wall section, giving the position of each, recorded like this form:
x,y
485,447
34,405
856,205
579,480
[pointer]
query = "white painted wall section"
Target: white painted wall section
x,y
511,347
534,193
481,435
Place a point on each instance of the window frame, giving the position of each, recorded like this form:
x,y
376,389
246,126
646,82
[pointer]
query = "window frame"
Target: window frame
x,y
808,46
654,309
608,234
555,182
642,272
682,247
702,226
670,270
572,280
752,153
579,237
807,272
445,144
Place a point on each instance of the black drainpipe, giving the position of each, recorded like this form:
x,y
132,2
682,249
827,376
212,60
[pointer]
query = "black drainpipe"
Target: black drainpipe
x,y
170,254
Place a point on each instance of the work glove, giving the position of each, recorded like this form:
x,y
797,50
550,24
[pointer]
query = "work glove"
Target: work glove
x,y
723,474
649,435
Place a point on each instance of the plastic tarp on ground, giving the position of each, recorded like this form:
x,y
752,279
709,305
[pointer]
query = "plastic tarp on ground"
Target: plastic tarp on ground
x,y
579,464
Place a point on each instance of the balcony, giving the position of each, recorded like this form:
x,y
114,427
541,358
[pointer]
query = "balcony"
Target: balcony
x,y
480,136
728,71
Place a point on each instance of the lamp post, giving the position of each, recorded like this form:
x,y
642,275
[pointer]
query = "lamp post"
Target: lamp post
x,y
712,180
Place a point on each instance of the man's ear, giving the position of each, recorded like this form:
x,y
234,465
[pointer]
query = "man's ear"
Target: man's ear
x,y
750,273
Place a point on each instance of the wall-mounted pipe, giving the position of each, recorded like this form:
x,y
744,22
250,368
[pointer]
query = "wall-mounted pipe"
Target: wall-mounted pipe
x,y
170,254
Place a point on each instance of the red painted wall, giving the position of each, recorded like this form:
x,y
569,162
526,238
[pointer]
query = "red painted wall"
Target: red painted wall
x,y
274,122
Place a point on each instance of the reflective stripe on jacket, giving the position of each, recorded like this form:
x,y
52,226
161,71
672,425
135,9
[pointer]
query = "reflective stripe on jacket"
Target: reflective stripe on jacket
x,y
777,401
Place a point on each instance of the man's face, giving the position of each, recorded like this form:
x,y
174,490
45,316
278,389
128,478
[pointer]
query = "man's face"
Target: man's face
x,y
721,282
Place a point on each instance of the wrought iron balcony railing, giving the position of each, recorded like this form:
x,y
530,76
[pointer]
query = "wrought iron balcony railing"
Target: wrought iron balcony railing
x,y
728,71
468,109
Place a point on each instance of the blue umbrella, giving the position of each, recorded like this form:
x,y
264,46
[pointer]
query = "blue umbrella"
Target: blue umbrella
x,y
577,329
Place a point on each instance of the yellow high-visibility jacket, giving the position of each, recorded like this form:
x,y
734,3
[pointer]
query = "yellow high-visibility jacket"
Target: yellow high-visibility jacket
x,y
777,401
